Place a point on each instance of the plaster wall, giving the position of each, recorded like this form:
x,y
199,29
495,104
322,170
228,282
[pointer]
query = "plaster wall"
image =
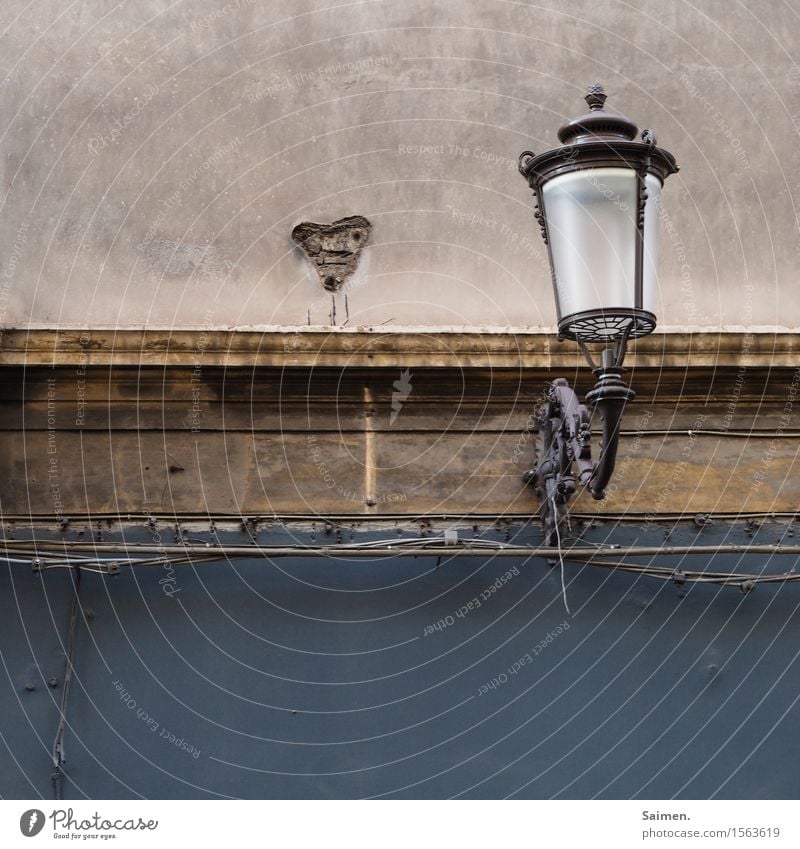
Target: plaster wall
x,y
156,156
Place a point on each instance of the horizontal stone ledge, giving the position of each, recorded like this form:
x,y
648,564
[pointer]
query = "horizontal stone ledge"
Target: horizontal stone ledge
x,y
468,348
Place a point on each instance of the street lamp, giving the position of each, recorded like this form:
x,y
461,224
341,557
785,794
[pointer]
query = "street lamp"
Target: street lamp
x,y
597,204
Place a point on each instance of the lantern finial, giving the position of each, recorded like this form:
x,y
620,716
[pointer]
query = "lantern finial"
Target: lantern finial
x,y
595,96
597,123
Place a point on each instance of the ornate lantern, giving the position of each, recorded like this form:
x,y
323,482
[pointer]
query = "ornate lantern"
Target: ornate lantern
x,y
598,199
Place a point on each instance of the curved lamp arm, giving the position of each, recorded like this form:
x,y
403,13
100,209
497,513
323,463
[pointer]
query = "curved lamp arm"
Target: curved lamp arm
x,y
609,397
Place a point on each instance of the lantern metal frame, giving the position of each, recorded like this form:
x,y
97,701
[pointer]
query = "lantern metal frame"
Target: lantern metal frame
x,y
598,139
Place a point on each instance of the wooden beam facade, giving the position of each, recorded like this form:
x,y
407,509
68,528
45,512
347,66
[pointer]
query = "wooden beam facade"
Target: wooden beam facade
x,y
372,424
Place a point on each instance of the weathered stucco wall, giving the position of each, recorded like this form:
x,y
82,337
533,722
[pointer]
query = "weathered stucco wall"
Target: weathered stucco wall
x,y
157,155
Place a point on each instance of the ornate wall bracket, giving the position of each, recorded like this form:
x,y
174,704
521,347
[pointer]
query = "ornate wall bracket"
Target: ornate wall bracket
x,y
563,447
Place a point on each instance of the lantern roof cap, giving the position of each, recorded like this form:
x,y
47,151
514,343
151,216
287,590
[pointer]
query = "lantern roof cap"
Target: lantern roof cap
x,y
598,124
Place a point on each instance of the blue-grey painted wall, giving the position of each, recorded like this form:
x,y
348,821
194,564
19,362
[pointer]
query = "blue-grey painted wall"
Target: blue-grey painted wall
x,y
311,677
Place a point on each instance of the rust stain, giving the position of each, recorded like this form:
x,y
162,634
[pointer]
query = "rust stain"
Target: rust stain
x,y
370,483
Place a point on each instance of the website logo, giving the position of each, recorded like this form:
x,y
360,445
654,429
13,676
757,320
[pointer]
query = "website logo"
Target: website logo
x,y
31,822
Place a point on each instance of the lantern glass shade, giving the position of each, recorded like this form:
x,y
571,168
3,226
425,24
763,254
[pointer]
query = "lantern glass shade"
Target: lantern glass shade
x,y
592,231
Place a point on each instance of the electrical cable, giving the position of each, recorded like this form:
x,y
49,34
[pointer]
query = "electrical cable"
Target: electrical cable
x,y
58,742
560,557
586,556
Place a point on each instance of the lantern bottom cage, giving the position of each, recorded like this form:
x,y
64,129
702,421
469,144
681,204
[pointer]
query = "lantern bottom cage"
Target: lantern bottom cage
x,y
606,325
